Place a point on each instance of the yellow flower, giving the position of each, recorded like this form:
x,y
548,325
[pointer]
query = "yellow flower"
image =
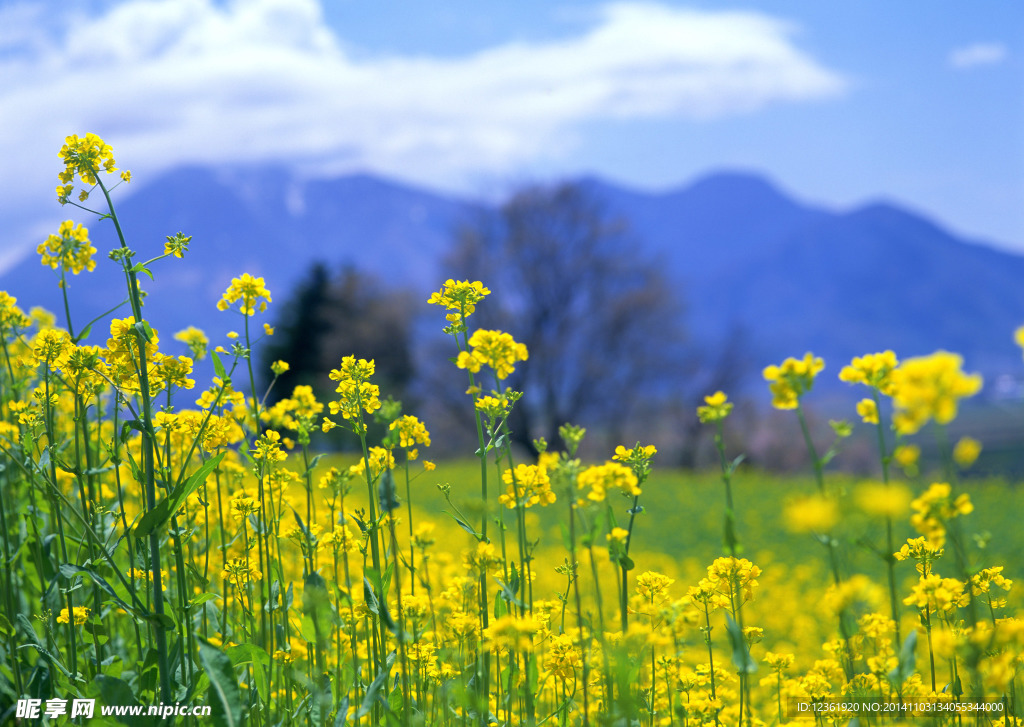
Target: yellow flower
x,y
716,408
195,339
874,370
268,329
653,587
380,459
460,297
881,500
728,575
930,387
936,507
906,455
251,291
356,393
792,379
411,431
69,248
598,479
561,658
495,349
868,411
268,448
80,615
617,537
1018,336
84,158
966,451
527,485
811,514
937,594
177,245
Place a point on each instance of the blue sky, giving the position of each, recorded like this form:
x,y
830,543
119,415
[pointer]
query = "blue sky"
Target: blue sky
x,y
918,101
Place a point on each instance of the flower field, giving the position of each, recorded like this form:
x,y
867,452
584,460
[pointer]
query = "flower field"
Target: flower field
x,y
172,542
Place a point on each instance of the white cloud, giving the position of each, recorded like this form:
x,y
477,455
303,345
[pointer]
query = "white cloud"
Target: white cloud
x,y
978,54
168,82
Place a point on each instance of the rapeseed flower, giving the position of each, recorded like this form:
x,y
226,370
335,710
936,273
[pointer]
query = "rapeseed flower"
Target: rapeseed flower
x,y
811,514
495,349
80,615
251,291
939,594
460,297
527,485
873,369
966,451
411,432
882,500
561,658
930,387
792,379
195,339
69,248
597,480
356,394
83,157
715,409
936,507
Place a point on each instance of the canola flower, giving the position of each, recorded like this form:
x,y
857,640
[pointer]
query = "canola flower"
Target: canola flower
x,y
251,291
70,248
716,408
930,387
495,349
459,298
874,370
79,616
281,568
791,379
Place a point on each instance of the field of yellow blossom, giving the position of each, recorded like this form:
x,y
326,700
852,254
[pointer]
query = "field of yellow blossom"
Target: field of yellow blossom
x,y
177,546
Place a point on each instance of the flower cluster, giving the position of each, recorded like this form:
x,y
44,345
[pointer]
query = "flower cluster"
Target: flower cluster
x,y
873,369
356,394
715,409
930,387
250,290
935,508
495,349
69,248
597,480
528,485
792,379
460,297
83,157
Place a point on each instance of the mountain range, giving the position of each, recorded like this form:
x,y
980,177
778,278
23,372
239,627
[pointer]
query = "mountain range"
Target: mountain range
x,y
751,261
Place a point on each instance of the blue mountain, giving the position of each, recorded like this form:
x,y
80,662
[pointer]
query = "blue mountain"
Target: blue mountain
x,y
748,258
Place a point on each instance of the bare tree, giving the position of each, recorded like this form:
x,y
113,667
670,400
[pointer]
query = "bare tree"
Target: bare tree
x,y
602,324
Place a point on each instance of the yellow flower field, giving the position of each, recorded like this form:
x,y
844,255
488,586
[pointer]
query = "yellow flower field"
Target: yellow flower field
x,y
168,542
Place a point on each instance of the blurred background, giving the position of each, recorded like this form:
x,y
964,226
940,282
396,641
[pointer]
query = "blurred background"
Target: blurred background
x,y
664,197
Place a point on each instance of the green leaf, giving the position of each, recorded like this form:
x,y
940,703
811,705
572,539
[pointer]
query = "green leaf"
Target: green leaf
x,y
387,494
115,691
160,514
508,594
374,689
741,657
255,655
465,526
339,721
223,696
70,571
218,366
908,662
